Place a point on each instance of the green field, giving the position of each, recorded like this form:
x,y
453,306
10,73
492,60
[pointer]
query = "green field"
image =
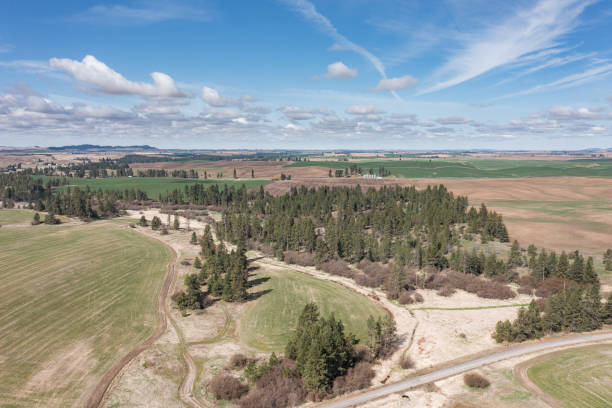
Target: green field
x,y
74,300
10,216
269,321
477,168
578,377
154,186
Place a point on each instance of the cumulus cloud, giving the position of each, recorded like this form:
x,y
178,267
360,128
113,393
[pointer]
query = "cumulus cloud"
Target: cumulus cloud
x,y
338,70
212,97
106,80
297,113
569,113
395,84
362,110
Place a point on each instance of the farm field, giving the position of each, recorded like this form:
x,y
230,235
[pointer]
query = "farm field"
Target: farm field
x,y
10,216
580,377
476,168
154,186
268,322
75,299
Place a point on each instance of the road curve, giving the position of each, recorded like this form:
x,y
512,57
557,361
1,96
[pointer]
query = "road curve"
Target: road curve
x,y
100,393
460,368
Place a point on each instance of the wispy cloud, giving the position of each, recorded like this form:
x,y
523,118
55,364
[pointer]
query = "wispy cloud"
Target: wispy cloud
x,y
568,81
310,13
142,13
528,31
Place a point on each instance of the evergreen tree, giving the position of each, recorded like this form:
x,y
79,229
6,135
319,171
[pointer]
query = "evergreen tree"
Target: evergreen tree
x,y
516,258
589,275
143,221
607,260
155,223
606,312
36,219
176,222
194,239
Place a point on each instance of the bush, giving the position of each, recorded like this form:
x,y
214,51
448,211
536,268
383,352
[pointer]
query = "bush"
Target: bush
x,y
238,360
337,267
356,378
362,353
405,298
446,291
185,262
552,285
280,387
225,387
406,362
418,298
299,258
527,284
475,380
482,287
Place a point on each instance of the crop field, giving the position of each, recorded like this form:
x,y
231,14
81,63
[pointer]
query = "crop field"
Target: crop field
x,y
10,216
477,168
269,321
74,300
580,377
154,186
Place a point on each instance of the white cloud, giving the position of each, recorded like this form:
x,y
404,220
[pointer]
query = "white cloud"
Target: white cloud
x,y
297,113
241,121
294,127
362,110
212,97
395,84
453,120
338,70
106,80
529,31
150,13
569,113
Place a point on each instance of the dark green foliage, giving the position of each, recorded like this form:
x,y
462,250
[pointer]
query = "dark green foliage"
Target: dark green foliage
x,y
50,219
197,263
606,312
194,298
321,349
381,335
607,260
143,221
176,224
155,223
528,325
194,239
226,274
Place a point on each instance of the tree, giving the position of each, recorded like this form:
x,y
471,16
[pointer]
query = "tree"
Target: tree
x,y
36,219
589,275
252,173
50,219
143,221
516,258
607,260
155,223
606,312
194,239
235,175
177,224
197,263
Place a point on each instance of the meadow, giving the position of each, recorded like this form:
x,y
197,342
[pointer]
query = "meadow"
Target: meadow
x,y
578,377
154,186
11,216
75,300
476,168
268,322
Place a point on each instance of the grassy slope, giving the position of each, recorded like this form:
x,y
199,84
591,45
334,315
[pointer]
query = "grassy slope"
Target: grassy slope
x,y
478,168
88,288
154,185
10,216
268,322
580,377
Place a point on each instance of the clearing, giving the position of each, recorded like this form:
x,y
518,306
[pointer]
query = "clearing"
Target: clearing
x,y
76,299
10,216
269,321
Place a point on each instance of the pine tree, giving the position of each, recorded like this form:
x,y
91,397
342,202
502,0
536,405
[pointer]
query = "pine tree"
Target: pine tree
x,y
606,312
143,221
563,266
176,222
516,258
589,275
607,260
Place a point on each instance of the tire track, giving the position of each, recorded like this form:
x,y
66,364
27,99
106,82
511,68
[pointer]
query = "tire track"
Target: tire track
x,y
109,380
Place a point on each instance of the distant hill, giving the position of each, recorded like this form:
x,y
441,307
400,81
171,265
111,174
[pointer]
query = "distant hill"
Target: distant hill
x,y
97,148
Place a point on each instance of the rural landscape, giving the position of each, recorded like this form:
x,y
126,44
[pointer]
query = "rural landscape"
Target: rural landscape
x,y
283,282
306,203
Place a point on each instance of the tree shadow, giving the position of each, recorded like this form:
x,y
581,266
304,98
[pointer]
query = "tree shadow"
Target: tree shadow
x,y
258,281
257,295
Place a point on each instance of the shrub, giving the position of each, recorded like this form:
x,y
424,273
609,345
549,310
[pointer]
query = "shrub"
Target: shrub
x,y
552,285
299,258
280,387
224,386
495,290
337,267
362,353
418,298
406,362
475,380
356,378
446,291
405,298
238,360
527,284
185,262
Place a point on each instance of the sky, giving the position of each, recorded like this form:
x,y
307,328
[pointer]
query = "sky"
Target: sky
x,y
308,74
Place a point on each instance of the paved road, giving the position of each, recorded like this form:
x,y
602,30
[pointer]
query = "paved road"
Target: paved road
x,y
462,367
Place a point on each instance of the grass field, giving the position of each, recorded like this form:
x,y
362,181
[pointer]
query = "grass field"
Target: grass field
x,y
153,186
10,216
477,168
579,377
269,321
74,300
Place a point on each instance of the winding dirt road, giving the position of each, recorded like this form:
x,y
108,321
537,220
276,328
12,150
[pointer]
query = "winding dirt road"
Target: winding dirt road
x,y
455,369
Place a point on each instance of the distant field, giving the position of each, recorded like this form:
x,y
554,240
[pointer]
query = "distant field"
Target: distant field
x,y
10,216
74,300
153,186
268,322
477,168
579,377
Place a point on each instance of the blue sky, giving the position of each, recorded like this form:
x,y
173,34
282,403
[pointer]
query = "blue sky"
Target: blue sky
x,y
326,74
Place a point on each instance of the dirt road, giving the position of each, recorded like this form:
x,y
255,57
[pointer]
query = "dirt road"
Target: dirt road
x,y
99,394
446,372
